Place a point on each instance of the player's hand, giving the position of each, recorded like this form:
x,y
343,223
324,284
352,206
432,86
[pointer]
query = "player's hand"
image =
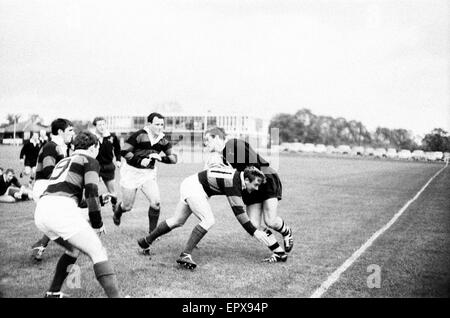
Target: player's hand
x,y
118,164
101,230
155,156
22,160
145,162
261,236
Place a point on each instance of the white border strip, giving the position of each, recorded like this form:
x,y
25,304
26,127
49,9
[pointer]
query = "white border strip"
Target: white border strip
x,y
337,273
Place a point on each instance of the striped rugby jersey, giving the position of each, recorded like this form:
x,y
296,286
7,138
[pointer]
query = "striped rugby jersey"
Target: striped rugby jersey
x,y
227,181
138,147
239,154
74,174
49,155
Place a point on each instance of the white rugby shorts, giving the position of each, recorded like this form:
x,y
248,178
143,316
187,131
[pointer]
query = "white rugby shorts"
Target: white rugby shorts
x,y
134,178
191,187
38,188
58,216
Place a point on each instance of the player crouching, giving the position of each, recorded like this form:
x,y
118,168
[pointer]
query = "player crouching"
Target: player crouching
x,y
195,191
57,215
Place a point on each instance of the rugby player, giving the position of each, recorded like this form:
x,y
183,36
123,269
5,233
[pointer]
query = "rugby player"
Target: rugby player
x,y
57,215
109,148
141,151
50,154
28,156
263,203
195,191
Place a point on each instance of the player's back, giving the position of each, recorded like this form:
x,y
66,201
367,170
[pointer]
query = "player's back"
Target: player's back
x,y
73,174
240,155
221,181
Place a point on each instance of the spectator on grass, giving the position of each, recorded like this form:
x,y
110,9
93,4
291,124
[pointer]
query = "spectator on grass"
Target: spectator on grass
x,y
10,188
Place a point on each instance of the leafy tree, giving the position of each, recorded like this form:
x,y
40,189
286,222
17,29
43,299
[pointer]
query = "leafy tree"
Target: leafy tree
x,y
13,118
437,140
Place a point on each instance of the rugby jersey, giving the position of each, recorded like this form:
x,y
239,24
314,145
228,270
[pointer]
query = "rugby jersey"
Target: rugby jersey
x,y
49,155
30,151
109,147
227,181
240,155
74,174
138,146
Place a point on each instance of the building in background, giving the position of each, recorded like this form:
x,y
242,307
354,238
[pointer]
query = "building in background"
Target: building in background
x,y
19,132
189,128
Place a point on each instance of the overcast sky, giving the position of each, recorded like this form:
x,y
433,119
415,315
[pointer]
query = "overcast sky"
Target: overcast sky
x,y
385,63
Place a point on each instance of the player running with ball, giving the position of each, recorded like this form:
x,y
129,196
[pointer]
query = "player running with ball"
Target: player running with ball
x,y
141,151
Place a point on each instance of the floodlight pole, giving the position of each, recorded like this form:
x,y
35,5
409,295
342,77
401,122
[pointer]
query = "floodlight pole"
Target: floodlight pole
x,y
14,131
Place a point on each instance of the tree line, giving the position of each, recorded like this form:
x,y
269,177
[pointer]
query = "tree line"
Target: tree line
x,y
306,127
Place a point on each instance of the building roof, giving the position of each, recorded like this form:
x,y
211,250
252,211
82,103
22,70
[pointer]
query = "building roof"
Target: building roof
x,y
24,126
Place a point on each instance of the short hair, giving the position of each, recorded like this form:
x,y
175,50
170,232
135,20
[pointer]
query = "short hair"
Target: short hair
x,y
60,123
9,170
96,119
152,116
216,131
84,140
251,173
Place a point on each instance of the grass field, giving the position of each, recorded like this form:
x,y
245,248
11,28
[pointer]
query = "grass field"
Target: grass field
x,y
333,205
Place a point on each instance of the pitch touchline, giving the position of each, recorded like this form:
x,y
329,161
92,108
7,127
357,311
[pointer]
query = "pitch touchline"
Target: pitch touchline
x,y
337,273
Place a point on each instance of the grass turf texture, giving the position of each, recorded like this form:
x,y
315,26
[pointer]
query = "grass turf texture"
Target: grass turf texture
x,y
333,204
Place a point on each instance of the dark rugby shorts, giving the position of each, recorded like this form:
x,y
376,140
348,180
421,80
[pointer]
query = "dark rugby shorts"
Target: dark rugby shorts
x,y
271,189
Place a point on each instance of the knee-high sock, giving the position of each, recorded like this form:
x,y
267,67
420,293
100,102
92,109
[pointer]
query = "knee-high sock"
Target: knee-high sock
x,y
44,240
273,243
197,234
160,230
106,277
284,229
153,217
61,272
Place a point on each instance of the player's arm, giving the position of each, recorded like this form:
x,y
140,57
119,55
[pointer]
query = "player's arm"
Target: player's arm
x,y
22,153
215,160
48,164
128,149
170,157
116,147
91,179
238,207
16,182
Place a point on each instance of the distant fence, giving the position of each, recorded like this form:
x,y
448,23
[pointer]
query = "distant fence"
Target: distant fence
x,y
11,141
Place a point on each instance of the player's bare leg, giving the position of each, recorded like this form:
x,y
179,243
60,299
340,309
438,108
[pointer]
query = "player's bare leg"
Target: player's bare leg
x,y
128,198
201,209
39,247
111,187
151,192
276,223
7,199
62,270
89,243
182,213
255,213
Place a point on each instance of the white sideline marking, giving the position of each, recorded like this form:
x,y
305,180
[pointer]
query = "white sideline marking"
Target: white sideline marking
x,y
337,273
